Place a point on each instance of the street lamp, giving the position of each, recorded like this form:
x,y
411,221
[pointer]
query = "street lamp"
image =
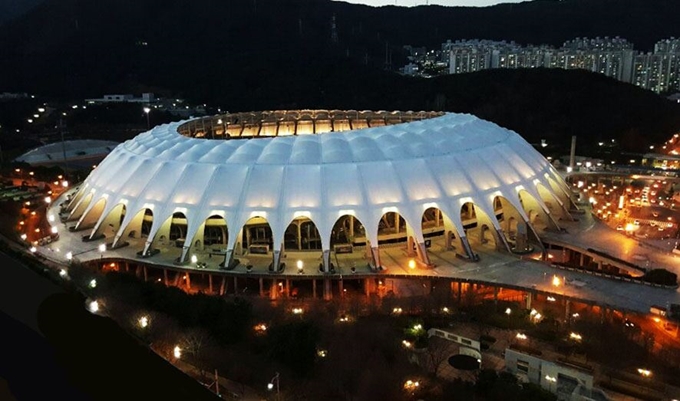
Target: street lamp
x,y
411,385
147,110
270,385
550,380
556,281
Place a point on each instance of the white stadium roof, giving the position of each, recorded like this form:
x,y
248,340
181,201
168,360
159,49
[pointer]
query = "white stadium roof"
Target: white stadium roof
x,y
440,162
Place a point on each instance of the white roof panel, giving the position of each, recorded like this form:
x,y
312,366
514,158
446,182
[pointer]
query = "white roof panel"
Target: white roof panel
x,y
443,160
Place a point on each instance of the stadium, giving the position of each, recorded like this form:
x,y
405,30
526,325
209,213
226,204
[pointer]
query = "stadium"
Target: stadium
x,y
327,187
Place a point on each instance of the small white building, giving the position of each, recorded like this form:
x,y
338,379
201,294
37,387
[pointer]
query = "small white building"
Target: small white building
x,y
568,382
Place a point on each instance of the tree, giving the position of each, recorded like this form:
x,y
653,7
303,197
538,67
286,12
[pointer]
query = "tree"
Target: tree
x,y
194,342
438,351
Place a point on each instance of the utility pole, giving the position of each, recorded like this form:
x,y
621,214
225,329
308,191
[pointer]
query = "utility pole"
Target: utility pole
x,y
217,383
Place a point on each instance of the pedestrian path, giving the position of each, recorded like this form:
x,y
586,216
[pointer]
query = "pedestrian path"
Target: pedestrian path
x,y
228,389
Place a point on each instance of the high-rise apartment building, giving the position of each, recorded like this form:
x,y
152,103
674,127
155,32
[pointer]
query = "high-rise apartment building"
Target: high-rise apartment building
x,y
658,71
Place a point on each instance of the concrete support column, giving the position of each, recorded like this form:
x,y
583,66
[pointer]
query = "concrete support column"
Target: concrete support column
x,y
235,285
314,288
410,245
340,289
460,291
273,290
396,222
375,253
501,242
188,281
448,238
468,249
599,265
530,296
276,260
449,234
261,287
185,251
177,278
210,285
287,288
495,295
567,311
327,290
326,255
165,277
367,287
146,274
223,286
228,258
582,260
423,257
351,227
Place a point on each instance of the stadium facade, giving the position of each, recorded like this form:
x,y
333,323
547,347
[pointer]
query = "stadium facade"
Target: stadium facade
x,y
325,181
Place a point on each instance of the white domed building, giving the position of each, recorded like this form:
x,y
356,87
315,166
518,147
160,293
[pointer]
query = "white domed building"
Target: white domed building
x,y
328,183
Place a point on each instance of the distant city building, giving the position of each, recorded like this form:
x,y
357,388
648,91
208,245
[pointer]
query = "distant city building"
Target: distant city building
x,y
662,161
615,57
126,98
13,96
176,107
